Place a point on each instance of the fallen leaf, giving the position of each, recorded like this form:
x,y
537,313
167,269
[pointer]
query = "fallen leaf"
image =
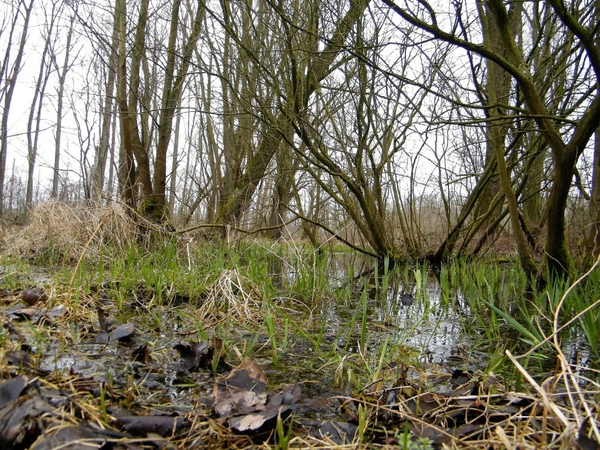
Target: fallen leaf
x,y
141,354
253,421
124,332
11,390
17,420
277,404
460,377
20,314
19,358
70,438
242,392
583,441
194,355
341,433
57,311
84,436
162,425
438,435
106,322
288,396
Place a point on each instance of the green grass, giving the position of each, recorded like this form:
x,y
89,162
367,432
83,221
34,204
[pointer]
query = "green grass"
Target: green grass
x,y
296,277
501,305
309,322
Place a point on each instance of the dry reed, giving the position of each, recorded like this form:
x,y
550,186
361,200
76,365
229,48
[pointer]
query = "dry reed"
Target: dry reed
x,y
66,231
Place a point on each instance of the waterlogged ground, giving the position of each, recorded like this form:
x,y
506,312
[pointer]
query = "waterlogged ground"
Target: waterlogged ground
x,y
119,368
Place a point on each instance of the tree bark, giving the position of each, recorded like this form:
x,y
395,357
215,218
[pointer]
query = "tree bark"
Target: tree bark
x,y
127,163
104,144
10,87
171,98
59,107
594,231
239,199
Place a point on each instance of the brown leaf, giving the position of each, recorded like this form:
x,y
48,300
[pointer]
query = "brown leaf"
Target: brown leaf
x,y
250,422
276,405
106,322
425,402
11,390
21,314
163,425
141,354
249,376
242,391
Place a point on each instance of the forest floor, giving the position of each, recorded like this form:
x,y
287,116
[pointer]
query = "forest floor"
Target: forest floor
x,y
122,355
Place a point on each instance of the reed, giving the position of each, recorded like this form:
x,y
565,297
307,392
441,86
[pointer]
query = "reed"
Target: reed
x,y
271,333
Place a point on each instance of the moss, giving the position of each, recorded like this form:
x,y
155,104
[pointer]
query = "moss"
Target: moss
x,y
156,212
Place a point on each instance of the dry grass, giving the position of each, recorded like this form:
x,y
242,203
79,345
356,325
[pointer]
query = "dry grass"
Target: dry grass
x,y
232,296
562,412
66,231
559,412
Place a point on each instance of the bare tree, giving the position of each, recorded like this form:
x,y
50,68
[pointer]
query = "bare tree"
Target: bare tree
x,y
357,140
60,94
319,66
132,96
10,71
566,143
39,97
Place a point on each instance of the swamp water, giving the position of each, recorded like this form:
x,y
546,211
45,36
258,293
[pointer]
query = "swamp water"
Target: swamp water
x,y
161,359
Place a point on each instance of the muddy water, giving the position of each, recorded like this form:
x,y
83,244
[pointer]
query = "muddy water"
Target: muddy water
x,y
427,333
431,327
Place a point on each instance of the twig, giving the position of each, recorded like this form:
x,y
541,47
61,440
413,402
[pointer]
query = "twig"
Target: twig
x,y
547,403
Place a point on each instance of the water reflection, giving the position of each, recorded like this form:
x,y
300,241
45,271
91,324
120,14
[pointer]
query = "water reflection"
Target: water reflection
x,y
286,268
433,326
425,323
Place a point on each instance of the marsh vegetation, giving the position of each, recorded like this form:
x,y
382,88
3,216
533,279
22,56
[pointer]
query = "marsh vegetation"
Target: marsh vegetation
x,y
307,223
177,342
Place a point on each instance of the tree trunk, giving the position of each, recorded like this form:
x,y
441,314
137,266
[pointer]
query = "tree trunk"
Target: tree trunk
x,y
174,167
594,231
284,183
171,98
127,164
498,89
104,144
59,106
239,199
10,88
